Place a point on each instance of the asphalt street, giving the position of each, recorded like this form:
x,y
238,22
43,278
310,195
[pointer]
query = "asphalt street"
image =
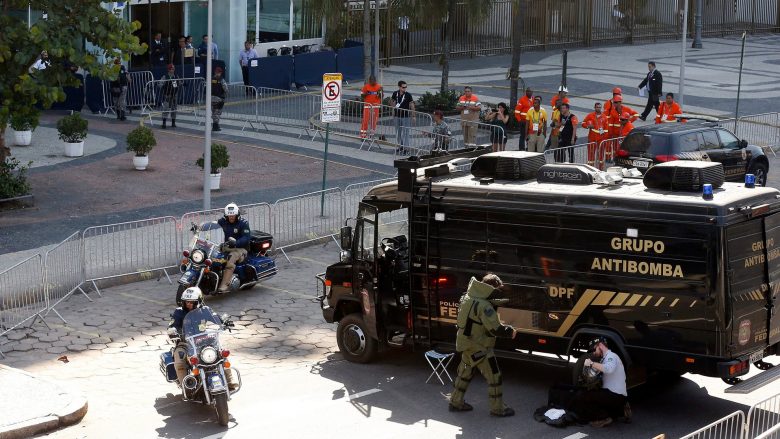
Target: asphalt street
x,y
297,385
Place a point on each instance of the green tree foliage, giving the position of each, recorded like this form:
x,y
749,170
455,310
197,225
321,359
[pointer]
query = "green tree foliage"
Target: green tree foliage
x,y
68,23
332,11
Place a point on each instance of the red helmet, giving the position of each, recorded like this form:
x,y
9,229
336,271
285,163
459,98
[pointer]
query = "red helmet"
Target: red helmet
x,y
618,98
617,91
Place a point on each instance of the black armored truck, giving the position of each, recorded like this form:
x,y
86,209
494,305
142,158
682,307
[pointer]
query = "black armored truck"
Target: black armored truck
x,y
678,269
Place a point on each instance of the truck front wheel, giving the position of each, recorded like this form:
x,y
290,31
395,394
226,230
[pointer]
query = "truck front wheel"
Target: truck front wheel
x,y
354,342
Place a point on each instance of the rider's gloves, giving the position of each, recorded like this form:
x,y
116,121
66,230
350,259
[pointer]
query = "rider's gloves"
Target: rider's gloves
x,y
172,332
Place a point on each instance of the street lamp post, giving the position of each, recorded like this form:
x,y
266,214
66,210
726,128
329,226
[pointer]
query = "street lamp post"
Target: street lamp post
x,y
698,25
207,147
681,92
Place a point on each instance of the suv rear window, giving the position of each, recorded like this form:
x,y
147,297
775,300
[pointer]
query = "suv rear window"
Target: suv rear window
x,y
638,143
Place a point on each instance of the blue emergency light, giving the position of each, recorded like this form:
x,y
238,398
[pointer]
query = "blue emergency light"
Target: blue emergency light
x,y
706,191
750,181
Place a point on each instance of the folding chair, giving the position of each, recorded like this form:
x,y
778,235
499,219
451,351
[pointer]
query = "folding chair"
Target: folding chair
x,y
439,362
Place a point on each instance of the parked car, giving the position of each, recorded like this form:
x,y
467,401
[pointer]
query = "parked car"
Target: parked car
x,y
649,145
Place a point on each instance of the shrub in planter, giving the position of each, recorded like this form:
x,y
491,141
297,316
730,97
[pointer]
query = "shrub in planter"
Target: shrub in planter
x,y
141,141
13,179
220,158
21,121
72,128
446,102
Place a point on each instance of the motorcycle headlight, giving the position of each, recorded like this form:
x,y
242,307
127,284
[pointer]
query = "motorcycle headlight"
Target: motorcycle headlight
x,y
198,256
209,355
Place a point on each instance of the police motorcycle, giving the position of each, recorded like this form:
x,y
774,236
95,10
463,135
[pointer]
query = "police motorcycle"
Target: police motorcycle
x,y
205,259
206,361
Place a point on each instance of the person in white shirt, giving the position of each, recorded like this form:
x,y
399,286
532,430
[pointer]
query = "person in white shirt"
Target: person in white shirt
x,y
600,406
41,63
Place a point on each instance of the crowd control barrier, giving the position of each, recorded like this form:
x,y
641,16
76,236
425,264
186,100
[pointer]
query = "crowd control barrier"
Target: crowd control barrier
x,y
607,152
772,433
761,130
287,109
189,92
63,267
762,416
137,96
729,427
241,105
308,217
482,131
133,247
23,295
579,153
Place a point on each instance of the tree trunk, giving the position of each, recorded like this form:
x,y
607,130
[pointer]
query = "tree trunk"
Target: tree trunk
x,y
517,43
5,151
366,39
449,28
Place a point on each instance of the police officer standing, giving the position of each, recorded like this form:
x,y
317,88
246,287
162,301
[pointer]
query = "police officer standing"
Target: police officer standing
x,y
478,327
170,93
218,94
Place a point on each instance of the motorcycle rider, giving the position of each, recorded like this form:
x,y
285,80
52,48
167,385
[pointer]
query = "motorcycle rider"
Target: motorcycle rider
x,y
237,234
191,299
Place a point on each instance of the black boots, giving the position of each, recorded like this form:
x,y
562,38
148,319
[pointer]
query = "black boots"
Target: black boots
x,y
164,126
122,115
118,115
215,127
173,123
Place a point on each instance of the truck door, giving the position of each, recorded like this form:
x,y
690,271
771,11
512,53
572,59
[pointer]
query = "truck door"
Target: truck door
x,y
772,247
748,288
364,266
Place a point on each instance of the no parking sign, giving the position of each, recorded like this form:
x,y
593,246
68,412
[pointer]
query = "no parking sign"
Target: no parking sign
x,y
330,110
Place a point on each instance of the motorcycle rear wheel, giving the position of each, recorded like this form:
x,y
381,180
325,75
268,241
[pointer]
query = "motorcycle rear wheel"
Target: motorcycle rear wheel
x,y
223,417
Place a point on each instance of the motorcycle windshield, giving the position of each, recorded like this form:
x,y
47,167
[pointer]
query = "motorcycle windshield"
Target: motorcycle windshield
x,y
201,329
208,234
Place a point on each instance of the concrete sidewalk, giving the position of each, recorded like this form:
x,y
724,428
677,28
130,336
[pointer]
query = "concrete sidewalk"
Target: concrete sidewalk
x,y
51,408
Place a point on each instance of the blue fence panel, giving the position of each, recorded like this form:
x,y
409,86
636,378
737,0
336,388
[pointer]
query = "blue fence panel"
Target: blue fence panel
x,y
272,72
94,91
309,67
349,62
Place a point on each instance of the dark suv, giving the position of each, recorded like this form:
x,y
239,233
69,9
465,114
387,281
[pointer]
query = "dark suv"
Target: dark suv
x,y
649,145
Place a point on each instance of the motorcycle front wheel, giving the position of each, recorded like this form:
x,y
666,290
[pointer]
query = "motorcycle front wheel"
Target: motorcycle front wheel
x,y
222,409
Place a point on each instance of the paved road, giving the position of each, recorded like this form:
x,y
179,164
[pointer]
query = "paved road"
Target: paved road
x,y
296,384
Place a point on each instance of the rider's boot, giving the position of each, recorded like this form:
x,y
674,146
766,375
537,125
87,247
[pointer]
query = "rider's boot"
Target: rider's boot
x,y
231,379
227,276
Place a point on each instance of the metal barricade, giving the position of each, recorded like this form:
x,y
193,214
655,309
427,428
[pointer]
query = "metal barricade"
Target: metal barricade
x,y
138,95
354,193
482,132
22,295
133,247
63,272
308,217
241,105
286,108
189,94
761,130
607,151
258,215
401,132
580,153
729,427
423,141
772,433
762,416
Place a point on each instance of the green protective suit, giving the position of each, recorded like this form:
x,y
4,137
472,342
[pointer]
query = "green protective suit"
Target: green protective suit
x,y
478,327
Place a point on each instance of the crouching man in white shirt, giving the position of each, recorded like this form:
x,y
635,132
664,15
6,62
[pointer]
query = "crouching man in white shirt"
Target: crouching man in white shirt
x,y
601,406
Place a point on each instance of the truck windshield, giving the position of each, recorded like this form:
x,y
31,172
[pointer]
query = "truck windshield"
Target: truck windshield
x,y
640,143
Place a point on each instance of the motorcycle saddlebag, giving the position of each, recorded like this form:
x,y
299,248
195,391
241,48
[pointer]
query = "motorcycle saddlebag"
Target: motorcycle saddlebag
x,y
260,242
166,358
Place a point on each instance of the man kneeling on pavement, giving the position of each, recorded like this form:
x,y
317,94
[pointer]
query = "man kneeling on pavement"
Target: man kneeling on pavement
x,y
601,405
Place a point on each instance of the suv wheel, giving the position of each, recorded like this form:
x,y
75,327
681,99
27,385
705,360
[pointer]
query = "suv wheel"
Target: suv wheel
x,y
354,342
760,171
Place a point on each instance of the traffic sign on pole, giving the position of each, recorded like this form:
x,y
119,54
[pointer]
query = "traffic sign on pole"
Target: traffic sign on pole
x,y
331,98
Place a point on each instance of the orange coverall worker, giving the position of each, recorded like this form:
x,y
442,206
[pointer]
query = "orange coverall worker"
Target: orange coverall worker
x,y
597,131
666,112
372,99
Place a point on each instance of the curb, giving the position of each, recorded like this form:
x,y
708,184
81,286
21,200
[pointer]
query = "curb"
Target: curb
x,y
65,416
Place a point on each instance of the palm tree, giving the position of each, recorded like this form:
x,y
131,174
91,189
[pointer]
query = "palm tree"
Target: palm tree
x,y
443,11
367,38
332,11
517,42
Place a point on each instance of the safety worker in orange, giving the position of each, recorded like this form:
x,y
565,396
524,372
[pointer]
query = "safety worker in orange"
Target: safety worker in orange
x,y
372,99
625,123
469,107
560,97
608,104
521,109
613,116
596,123
668,110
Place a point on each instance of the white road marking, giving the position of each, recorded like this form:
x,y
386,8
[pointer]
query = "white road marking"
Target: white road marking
x,y
577,435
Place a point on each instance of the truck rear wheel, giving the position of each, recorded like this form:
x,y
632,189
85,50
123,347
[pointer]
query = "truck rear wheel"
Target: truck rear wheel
x,y
354,342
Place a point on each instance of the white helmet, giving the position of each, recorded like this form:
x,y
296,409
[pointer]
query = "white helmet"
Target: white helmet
x,y
192,294
563,89
232,209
